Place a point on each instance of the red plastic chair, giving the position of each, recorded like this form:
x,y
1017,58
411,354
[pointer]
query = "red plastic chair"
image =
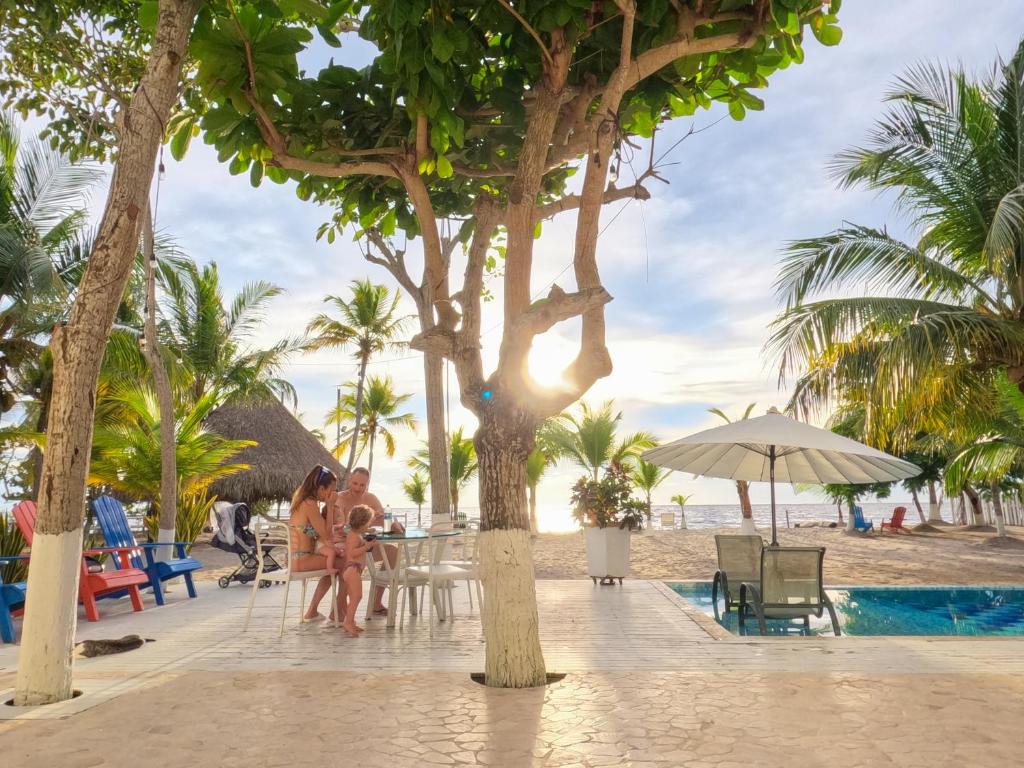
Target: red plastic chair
x,y
92,585
895,523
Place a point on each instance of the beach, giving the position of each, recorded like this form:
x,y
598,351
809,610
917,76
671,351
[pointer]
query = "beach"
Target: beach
x,y
953,556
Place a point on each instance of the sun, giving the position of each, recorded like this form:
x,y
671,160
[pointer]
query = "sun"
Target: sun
x,y
549,356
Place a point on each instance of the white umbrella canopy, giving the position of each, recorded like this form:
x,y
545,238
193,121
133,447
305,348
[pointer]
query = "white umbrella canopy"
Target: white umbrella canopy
x,y
775,447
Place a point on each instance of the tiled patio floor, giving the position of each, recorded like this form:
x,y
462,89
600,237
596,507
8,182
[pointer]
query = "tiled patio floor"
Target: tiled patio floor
x,y
647,685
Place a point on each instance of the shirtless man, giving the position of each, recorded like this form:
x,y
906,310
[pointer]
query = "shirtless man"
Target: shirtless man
x,y
356,493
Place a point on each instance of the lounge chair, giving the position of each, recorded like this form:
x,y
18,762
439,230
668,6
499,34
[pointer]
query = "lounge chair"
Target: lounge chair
x,y
668,521
895,523
92,584
858,520
791,587
12,598
739,560
116,532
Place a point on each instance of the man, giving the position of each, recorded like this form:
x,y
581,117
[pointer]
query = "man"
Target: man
x,y
357,493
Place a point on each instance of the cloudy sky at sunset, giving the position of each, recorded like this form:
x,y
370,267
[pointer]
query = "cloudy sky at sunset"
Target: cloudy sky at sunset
x,y
691,270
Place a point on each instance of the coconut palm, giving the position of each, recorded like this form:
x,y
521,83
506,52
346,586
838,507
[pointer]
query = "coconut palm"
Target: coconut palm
x,y
415,489
742,486
647,477
369,324
681,499
212,340
380,416
462,465
589,438
948,308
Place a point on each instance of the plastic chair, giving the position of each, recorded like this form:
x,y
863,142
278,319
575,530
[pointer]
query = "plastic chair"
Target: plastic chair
x,y
668,521
470,561
859,523
271,534
440,576
12,598
790,588
895,523
395,580
739,560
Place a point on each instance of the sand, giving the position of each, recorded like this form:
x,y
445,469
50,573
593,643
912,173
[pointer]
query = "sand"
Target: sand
x,y
950,556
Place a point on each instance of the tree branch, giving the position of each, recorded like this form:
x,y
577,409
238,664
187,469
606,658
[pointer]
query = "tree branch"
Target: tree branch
x,y
533,33
571,202
655,59
393,261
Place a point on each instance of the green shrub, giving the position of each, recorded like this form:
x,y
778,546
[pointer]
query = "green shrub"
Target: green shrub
x,y
193,515
12,543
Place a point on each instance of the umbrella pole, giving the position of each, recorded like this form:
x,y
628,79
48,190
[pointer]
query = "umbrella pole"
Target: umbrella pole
x,y
771,478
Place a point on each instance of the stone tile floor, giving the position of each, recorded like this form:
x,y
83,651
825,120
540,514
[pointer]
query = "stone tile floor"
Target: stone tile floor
x,y
647,685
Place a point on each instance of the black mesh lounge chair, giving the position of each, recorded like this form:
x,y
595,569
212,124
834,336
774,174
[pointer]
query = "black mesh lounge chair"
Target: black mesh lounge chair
x,y
790,587
739,560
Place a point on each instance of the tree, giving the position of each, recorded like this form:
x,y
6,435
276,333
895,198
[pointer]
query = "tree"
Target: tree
x,y
682,499
840,492
212,340
647,477
462,465
947,314
369,323
380,411
415,489
742,486
588,440
474,116
44,669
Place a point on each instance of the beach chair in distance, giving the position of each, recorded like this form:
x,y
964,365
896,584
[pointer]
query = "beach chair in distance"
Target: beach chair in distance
x,y
790,587
12,598
668,521
895,523
92,584
117,533
739,560
859,523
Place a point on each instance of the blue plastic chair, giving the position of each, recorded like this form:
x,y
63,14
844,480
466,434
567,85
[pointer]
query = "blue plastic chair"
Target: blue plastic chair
x,y
858,520
114,524
12,597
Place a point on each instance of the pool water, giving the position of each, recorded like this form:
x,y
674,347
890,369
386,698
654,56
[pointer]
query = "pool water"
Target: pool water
x,y
963,611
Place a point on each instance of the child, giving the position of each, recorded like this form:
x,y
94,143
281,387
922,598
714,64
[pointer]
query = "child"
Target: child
x,y
355,560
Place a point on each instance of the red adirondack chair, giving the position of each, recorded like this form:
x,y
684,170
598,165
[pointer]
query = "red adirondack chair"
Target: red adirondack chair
x,y
895,523
92,585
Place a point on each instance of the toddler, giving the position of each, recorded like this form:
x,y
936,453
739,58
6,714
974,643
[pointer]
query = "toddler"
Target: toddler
x,y
356,548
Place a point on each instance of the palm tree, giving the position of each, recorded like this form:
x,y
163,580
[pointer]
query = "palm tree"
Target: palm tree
x,y
416,491
948,309
462,466
380,412
742,486
368,323
212,340
647,477
589,439
43,213
681,499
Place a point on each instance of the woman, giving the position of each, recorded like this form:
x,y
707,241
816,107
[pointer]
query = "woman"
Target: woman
x,y
310,535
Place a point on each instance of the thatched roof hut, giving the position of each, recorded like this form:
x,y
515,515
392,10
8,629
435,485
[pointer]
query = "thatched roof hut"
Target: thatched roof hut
x,y
285,452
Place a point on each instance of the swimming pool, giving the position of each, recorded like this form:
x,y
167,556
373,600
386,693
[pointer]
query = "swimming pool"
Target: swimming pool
x,y
954,611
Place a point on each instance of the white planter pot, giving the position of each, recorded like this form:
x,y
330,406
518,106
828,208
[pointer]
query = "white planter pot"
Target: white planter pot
x,y
607,553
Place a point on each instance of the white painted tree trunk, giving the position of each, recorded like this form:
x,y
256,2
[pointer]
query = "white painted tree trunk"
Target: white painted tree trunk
x,y
513,657
747,527
682,518
997,509
44,668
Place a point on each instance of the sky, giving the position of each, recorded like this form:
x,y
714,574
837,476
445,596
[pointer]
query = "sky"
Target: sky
x,y
691,270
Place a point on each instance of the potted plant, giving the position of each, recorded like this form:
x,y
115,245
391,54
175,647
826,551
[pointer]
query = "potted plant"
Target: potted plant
x,y
606,510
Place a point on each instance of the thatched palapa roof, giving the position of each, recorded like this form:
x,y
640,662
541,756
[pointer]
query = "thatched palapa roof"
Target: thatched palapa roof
x,y
284,454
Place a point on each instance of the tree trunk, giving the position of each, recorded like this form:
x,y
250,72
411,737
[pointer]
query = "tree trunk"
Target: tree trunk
x,y
37,454
437,437
850,521
363,362
513,654
917,504
977,514
419,515
746,509
454,511
839,511
165,399
934,507
373,439
997,509
44,668
533,510
682,518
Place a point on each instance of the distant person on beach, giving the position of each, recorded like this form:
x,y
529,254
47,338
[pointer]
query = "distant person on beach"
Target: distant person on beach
x,y
312,541
356,493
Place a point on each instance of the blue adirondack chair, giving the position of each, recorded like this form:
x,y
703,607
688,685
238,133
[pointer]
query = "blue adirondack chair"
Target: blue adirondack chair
x,y
114,524
858,520
12,597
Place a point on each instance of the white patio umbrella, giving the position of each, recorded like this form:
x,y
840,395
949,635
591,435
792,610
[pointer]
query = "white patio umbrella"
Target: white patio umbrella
x,y
775,447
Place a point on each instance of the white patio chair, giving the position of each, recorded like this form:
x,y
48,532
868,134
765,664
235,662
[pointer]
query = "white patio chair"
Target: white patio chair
x,y
465,555
439,575
668,521
382,574
275,534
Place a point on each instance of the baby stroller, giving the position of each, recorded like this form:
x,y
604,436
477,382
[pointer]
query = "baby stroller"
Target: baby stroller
x,y
231,525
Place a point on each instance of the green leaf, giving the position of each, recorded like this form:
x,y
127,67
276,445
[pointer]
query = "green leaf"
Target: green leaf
x,y
148,12
388,223
828,34
441,45
736,110
256,173
303,8
444,167
181,139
